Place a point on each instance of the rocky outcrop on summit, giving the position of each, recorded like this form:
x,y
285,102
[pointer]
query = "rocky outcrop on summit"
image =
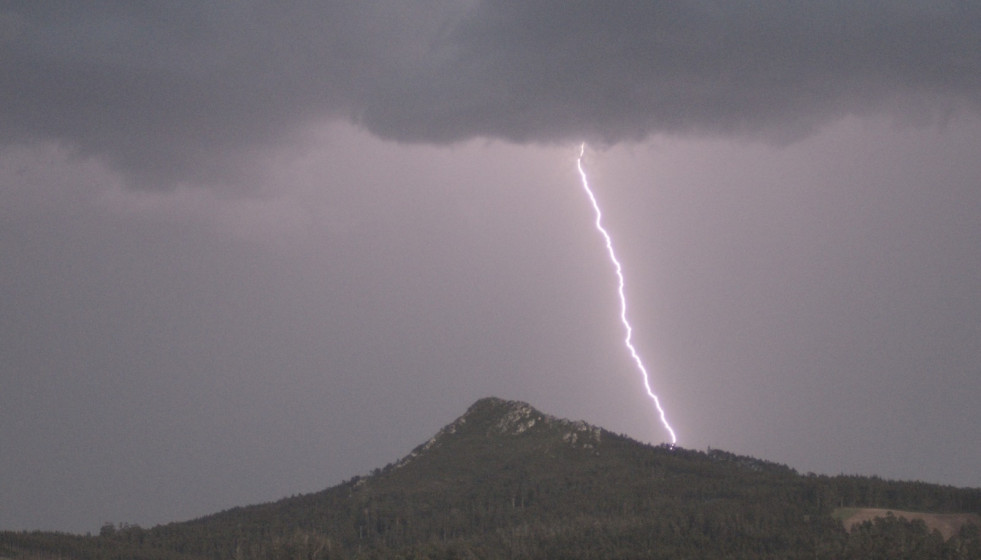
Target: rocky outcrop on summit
x,y
521,417
493,417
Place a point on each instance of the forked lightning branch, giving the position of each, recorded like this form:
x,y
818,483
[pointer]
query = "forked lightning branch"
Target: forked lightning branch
x,y
623,299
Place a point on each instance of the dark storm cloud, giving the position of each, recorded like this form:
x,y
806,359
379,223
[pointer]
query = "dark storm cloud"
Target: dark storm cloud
x,y
560,70
183,91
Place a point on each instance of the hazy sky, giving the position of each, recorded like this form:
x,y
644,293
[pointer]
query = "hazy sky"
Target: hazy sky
x,y
248,251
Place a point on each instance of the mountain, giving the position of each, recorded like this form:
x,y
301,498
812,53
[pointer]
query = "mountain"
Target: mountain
x,y
508,481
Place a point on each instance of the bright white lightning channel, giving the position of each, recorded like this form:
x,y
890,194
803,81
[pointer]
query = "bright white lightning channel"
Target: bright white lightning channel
x,y
623,299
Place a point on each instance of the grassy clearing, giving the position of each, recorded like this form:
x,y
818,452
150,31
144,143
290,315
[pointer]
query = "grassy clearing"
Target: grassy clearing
x,y
842,514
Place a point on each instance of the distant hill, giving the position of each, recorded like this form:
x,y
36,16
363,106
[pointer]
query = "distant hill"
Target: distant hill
x,y
507,481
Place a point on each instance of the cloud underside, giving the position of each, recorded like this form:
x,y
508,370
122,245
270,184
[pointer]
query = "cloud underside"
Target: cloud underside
x,y
185,92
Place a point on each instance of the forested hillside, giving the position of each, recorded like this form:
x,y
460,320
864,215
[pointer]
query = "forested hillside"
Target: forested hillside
x,y
507,481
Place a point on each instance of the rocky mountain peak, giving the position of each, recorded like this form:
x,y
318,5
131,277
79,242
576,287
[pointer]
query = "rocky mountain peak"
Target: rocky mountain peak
x,y
493,417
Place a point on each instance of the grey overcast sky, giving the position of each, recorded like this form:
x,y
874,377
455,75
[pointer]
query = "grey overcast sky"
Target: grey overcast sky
x,y
250,250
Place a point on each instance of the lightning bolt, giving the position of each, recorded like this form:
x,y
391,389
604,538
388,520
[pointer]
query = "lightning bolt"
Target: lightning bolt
x,y
623,299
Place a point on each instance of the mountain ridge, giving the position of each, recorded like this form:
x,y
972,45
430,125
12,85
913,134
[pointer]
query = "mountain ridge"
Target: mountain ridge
x,y
507,480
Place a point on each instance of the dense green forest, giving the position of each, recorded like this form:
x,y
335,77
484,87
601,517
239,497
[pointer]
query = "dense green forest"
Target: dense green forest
x,y
507,481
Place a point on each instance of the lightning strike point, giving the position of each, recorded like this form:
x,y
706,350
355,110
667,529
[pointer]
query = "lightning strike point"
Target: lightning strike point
x,y
623,299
